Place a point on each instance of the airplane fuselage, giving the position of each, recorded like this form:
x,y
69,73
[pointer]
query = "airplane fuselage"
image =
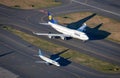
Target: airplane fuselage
x,y
49,60
71,32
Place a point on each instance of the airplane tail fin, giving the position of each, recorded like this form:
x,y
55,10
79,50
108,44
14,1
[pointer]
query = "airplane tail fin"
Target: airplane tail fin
x,y
51,19
40,53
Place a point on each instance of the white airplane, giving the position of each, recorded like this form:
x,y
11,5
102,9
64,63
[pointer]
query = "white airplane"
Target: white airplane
x,y
66,32
48,60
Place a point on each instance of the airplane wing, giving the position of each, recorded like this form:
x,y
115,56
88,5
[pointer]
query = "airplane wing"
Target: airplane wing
x,y
51,34
56,59
82,28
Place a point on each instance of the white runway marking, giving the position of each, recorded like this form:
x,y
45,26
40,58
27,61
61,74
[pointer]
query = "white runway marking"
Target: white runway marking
x,y
97,8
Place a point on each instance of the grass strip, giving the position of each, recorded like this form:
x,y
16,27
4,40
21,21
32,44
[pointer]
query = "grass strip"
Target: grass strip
x,y
75,56
30,4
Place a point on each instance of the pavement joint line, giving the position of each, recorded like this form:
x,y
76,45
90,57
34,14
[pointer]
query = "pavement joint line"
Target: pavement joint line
x,y
97,8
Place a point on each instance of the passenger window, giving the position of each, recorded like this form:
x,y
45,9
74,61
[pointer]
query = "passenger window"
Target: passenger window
x,y
77,34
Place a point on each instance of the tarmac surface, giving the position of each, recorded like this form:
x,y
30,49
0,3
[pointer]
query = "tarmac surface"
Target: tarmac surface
x,y
16,55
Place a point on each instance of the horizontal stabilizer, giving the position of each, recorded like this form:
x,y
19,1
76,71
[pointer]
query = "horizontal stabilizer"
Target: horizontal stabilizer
x,y
40,62
44,23
36,55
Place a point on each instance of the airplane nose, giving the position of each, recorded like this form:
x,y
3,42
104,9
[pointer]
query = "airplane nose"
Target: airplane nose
x,y
57,64
85,37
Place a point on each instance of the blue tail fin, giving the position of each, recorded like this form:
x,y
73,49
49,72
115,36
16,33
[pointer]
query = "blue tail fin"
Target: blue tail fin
x,y
51,19
40,53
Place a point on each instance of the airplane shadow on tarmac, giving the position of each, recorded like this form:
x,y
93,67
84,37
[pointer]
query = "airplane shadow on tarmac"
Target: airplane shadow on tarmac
x,y
62,61
92,33
95,33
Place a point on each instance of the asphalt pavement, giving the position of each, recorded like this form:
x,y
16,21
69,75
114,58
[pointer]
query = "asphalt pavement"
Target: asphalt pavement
x,y
17,55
